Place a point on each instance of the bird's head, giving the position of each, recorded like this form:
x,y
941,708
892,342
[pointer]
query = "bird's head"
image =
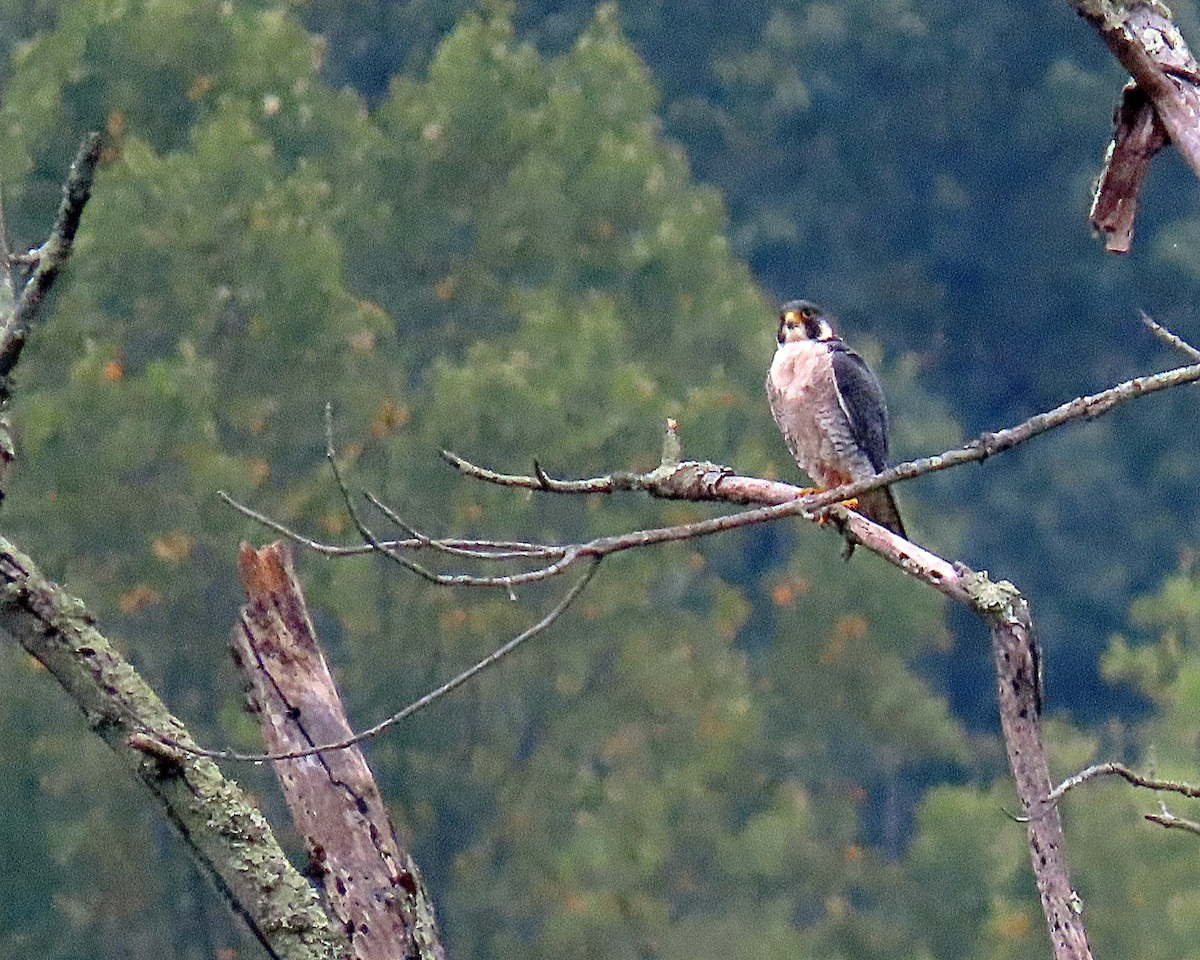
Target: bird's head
x,y
803,320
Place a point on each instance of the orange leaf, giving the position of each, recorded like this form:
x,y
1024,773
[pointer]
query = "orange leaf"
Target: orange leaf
x,y
174,546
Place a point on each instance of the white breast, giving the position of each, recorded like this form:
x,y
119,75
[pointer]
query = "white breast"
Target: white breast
x,y
803,397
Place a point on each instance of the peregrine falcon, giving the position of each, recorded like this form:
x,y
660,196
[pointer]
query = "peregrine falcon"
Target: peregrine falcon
x,y
830,409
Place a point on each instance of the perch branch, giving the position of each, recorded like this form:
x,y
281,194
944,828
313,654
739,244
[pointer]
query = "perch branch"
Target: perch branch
x,y
703,481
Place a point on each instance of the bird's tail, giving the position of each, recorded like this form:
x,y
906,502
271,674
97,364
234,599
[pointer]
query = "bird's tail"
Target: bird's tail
x,y
879,505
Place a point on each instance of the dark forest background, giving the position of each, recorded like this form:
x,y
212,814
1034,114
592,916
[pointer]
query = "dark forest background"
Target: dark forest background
x,y
537,230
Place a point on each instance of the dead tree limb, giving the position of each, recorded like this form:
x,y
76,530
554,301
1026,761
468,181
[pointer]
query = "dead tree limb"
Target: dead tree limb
x,y
1164,818
371,883
1006,614
227,836
1160,105
23,306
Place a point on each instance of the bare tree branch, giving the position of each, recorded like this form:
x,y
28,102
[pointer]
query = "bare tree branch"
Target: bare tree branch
x,y
705,481
1114,769
1162,105
227,836
1170,339
51,257
1165,818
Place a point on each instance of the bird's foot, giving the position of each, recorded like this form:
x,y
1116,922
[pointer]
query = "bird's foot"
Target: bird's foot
x,y
822,519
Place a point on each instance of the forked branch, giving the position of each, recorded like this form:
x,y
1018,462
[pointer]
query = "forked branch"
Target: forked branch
x,y
1159,106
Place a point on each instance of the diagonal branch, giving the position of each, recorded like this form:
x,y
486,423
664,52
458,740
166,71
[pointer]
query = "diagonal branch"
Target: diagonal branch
x,y
50,258
1172,340
371,883
225,833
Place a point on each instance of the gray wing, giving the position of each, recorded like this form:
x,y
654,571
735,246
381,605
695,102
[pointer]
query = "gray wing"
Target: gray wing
x,y
861,399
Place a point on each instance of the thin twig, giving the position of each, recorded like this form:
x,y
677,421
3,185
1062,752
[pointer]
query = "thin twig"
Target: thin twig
x,y
364,531
452,684
494,549
1114,769
1170,339
539,481
1165,818
474,549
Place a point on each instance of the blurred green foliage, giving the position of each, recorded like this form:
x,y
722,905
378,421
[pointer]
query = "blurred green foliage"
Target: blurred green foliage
x,y
536,232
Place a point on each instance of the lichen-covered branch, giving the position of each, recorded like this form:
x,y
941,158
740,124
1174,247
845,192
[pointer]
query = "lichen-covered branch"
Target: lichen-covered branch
x,y
228,837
